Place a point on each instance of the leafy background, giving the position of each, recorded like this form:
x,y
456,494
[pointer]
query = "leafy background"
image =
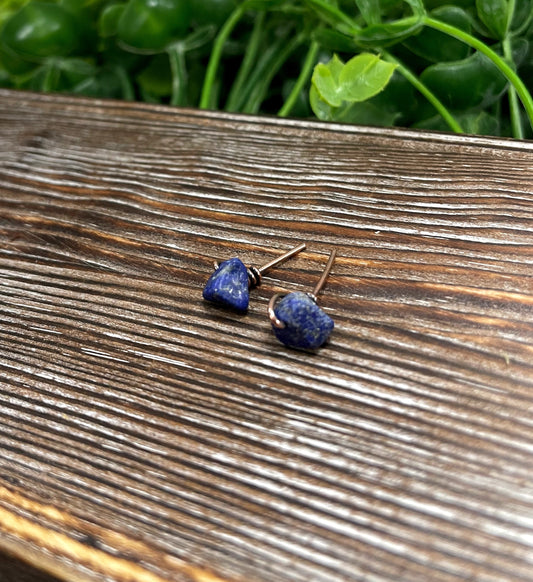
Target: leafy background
x,y
463,66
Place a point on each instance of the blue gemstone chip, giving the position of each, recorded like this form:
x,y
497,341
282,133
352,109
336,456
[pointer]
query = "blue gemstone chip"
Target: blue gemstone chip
x,y
306,325
228,285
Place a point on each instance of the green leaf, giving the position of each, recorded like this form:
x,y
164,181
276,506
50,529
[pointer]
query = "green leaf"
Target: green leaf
x,y
328,11
334,41
105,84
326,80
417,6
370,10
471,82
9,7
480,123
495,15
366,113
109,17
360,113
399,100
473,122
5,81
262,4
522,14
321,109
360,78
364,76
435,46
383,35
156,78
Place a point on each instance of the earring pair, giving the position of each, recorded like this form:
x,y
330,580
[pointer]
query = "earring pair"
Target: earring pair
x,y
297,320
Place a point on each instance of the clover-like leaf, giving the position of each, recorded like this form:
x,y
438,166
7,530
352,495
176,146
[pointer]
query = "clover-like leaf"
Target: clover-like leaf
x,y
364,76
360,78
326,80
324,111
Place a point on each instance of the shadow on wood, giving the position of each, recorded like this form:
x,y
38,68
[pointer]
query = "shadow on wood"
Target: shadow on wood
x,y
14,570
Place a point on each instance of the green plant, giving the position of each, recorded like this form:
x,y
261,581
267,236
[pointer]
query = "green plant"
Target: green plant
x,y
464,65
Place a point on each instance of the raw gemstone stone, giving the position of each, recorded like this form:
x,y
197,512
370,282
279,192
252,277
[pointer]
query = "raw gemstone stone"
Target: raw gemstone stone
x,y
306,325
228,285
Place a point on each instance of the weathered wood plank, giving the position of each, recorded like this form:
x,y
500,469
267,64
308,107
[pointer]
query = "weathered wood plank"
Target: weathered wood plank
x,y
147,435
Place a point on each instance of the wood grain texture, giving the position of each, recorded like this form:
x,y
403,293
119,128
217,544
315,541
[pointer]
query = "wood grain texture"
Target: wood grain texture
x,y
149,436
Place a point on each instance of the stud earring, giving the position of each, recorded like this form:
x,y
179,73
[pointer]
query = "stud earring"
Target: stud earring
x,y
229,285
297,320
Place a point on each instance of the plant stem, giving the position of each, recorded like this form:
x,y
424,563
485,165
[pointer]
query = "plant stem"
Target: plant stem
x,y
428,94
259,72
506,70
178,68
516,119
260,88
337,14
510,15
303,77
216,54
51,78
247,64
128,93
514,109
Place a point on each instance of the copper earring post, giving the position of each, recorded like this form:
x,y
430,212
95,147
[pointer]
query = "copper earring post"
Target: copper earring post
x,y
255,274
325,274
284,257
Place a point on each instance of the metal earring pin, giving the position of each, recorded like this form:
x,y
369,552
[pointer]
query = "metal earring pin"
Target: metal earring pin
x,y
229,285
297,320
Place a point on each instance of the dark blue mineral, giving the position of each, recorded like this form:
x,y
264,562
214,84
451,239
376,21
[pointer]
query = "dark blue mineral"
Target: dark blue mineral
x,y
228,285
306,325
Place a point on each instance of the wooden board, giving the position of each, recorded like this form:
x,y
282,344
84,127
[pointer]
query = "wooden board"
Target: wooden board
x,y
150,436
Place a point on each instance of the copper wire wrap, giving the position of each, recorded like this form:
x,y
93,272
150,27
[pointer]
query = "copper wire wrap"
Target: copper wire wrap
x,y
272,314
255,274
276,322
